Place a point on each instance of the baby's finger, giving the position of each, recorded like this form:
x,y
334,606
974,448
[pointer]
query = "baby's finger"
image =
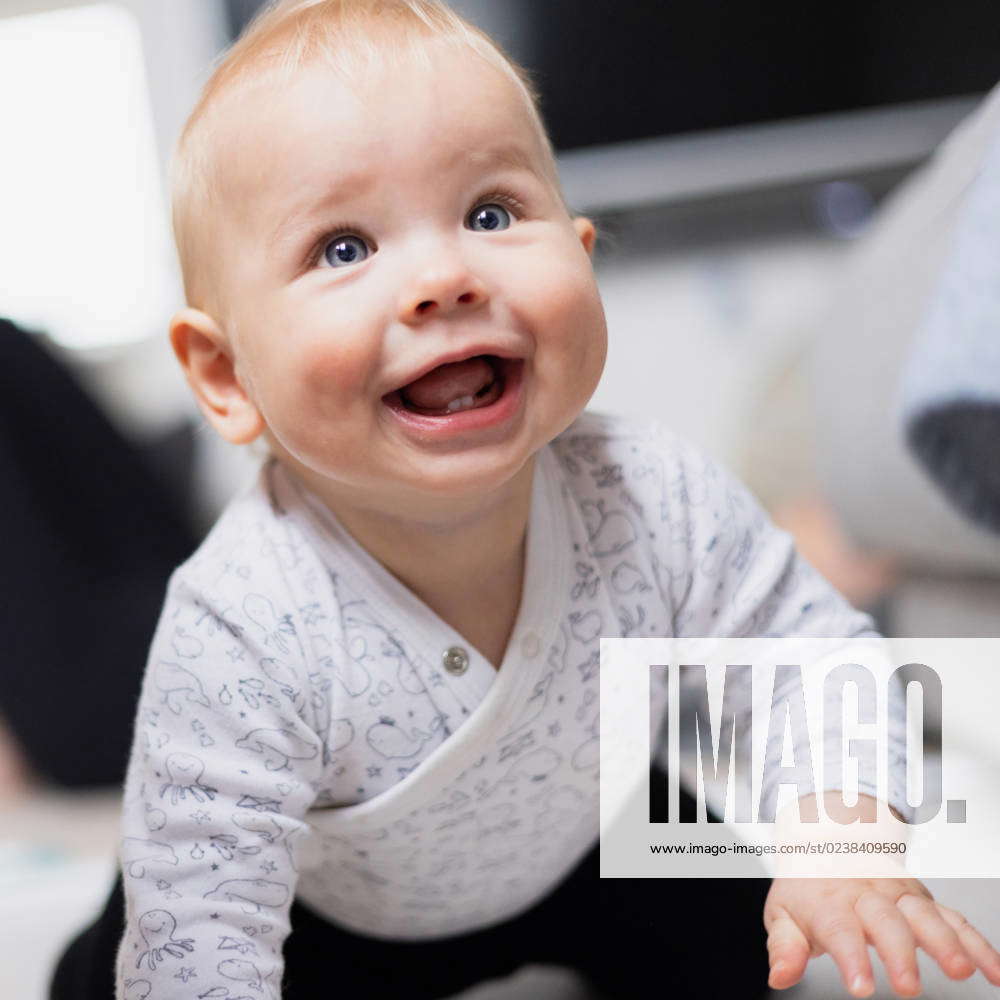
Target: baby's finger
x,y
839,931
888,930
788,952
982,952
936,936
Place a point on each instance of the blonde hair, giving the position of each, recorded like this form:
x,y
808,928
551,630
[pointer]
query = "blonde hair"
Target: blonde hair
x,y
287,35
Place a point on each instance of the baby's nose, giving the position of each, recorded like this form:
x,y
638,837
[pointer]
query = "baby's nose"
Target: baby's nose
x,y
440,292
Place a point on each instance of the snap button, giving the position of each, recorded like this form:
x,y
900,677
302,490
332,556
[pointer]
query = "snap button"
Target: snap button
x,y
530,645
455,660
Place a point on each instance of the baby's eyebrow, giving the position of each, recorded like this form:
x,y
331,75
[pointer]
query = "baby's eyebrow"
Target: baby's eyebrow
x,y
513,157
349,186
344,188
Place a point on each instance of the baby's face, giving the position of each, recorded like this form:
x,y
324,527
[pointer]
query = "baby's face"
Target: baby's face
x,y
412,311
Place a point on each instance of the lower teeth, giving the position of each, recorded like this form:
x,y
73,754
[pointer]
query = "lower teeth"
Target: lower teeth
x,y
467,402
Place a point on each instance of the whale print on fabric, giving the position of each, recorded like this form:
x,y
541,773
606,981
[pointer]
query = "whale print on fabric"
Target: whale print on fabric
x,y
389,740
178,685
278,747
137,989
138,855
252,894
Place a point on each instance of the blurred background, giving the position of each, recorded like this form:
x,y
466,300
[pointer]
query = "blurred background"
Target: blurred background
x,y
777,188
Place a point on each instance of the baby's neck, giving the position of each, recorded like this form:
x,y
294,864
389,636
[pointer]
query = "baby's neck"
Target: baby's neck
x,y
469,570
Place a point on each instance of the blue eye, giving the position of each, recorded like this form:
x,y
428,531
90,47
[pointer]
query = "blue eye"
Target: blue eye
x,y
489,218
345,250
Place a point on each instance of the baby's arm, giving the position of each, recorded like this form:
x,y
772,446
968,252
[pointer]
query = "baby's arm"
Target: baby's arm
x,y
746,579
223,770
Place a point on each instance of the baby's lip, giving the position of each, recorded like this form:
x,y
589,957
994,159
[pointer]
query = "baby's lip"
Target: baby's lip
x,y
462,354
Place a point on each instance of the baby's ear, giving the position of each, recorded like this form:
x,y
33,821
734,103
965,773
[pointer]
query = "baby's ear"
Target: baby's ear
x,y
587,232
207,360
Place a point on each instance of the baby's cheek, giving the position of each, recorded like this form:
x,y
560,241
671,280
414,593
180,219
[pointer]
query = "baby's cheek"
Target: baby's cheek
x,y
572,343
568,299
315,403
323,446
574,323
333,370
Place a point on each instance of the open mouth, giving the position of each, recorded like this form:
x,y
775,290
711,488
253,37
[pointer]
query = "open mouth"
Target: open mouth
x,y
471,384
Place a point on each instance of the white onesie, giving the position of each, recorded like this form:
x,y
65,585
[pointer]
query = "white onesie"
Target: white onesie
x,y
307,726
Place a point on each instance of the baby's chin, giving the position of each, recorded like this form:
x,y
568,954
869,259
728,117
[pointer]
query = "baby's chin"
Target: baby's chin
x,y
473,478
425,488
458,487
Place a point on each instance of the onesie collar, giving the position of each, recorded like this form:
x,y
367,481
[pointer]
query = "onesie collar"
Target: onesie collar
x,y
426,637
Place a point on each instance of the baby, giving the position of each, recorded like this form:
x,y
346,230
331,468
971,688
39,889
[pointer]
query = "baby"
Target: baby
x,y
370,712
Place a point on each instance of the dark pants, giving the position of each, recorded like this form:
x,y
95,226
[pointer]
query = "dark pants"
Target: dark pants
x,y
629,937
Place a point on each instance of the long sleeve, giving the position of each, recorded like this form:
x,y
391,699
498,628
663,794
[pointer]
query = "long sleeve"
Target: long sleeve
x,y
223,770
732,573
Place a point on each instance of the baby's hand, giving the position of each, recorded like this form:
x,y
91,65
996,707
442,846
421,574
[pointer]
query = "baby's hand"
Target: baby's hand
x,y
806,917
